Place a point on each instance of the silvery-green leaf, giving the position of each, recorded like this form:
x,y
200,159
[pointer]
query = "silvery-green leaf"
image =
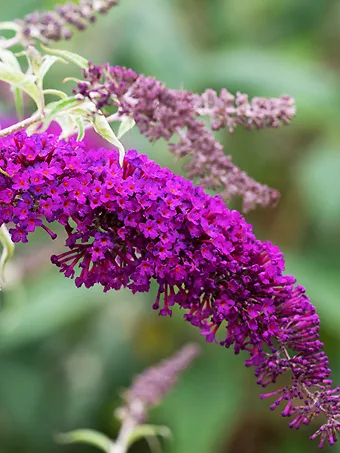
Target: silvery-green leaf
x,y
48,62
69,56
145,431
9,59
7,249
9,26
34,58
86,436
67,124
23,81
59,93
61,106
102,127
18,100
81,128
72,79
126,124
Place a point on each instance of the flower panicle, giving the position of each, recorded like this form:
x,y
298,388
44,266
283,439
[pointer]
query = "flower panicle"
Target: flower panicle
x,y
151,386
175,116
55,25
127,226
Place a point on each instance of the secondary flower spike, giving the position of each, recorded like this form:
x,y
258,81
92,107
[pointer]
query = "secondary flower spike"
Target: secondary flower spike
x,y
130,225
54,25
152,385
160,112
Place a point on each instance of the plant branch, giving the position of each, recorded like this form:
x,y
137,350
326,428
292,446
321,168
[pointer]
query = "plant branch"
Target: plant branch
x,y
35,118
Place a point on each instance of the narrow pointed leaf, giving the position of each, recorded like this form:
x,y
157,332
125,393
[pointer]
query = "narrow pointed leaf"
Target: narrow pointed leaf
x,y
126,124
62,106
69,56
18,100
102,127
147,431
86,436
9,59
47,63
81,128
60,94
9,26
20,80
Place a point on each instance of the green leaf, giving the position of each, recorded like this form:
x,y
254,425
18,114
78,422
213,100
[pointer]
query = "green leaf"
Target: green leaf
x,y
72,79
9,59
7,249
61,106
145,431
69,56
18,100
35,60
86,436
81,128
23,81
59,93
102,127
9,26
48,62
126,124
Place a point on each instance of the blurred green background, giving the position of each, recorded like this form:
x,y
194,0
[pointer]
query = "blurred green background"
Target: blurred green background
x,y
65,354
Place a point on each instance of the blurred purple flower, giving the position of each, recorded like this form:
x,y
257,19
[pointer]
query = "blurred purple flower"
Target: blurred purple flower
x,y
129,225
54,25
150,387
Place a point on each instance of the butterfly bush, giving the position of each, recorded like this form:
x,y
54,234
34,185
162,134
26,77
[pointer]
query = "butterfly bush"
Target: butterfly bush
x,y
160,112
131,225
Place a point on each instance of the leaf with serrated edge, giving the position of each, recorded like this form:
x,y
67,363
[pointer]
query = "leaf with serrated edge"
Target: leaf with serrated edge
x,y
102,127
70,56
86,436
7,249
126,124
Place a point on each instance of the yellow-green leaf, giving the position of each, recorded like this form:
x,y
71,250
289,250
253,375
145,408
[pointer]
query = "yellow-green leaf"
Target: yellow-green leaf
x,y
86,436
126,124
69,56
23,81
102,127
145,431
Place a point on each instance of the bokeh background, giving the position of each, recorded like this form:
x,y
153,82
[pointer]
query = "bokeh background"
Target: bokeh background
x,y
65,354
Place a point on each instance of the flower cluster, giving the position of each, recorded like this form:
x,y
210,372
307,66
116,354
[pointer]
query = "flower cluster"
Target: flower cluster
x,y
129,225
150,387
160,112
53,25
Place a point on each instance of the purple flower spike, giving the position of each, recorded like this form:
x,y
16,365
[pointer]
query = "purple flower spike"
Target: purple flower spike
x,y
130,225
160,112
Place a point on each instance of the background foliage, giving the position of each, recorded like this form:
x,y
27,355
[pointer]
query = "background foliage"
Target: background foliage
x,y
66,353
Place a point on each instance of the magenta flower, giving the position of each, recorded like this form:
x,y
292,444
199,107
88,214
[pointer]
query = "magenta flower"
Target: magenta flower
x,y
140,223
